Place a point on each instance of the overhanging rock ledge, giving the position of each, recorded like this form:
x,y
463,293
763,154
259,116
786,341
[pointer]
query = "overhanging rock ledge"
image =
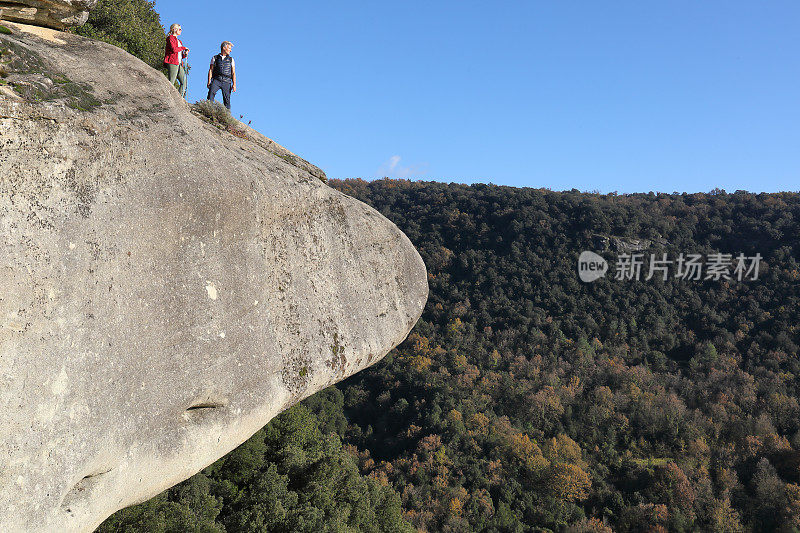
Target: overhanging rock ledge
x,y
166,288
58,14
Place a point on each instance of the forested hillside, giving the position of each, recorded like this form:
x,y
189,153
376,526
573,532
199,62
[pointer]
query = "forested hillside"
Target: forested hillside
x,y
527,400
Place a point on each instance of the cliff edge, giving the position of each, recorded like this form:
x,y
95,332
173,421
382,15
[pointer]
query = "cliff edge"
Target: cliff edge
x,y
166,288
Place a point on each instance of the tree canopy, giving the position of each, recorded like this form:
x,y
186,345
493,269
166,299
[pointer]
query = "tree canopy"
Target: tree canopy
x,y
133,25
290,476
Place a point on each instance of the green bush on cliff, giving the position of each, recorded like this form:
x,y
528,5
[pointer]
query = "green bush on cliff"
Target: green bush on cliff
x,y
216,113
132,25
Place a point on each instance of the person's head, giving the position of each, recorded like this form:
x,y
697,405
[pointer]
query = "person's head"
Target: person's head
x,y
226,47
175,29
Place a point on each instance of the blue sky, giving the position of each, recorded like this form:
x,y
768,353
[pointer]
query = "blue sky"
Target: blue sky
x,y
625,96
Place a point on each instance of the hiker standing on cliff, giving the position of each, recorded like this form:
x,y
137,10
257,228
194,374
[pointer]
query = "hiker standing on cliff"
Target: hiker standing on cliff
x,y
222,74
174,52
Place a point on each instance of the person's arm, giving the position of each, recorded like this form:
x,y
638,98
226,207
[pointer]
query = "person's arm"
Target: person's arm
x,y
233,73
172,43
210,73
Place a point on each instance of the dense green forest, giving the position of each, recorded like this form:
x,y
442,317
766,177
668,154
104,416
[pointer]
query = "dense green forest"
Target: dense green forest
x,y
527,400
133,25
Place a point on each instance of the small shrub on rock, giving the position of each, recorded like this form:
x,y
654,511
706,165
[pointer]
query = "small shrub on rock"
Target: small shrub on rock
x,y
218,115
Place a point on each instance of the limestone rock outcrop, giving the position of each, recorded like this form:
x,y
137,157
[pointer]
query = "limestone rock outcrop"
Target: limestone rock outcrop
x,y
166,287
58,14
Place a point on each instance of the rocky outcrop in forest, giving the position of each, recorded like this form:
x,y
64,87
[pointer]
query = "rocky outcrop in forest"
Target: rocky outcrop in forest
x,y
166,287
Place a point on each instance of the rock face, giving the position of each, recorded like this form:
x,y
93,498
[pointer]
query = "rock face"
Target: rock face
x,y
59,14
625,245
166,288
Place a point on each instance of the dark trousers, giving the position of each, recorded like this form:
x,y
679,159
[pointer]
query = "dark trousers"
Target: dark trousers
x,y
216,85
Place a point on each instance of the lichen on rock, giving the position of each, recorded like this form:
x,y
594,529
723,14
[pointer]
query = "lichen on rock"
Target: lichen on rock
x,y
32,79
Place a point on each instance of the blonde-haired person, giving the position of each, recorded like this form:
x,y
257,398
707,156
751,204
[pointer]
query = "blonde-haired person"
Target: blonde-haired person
x,y
174,52
222,74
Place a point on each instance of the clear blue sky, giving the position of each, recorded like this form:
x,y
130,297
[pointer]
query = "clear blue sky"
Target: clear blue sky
x,y
624,96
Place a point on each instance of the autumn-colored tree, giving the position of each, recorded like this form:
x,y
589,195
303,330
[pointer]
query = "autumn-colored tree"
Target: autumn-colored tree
x,y
569,482
723,518
590,525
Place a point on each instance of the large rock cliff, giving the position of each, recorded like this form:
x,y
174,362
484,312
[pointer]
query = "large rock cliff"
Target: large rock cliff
x,y
166,288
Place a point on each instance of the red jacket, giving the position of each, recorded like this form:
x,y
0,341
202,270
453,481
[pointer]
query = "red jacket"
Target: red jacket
x,y
172,52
